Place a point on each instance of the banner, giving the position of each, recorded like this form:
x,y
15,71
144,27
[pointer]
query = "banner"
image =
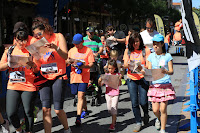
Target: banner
x,y
159,25
196,21
191,35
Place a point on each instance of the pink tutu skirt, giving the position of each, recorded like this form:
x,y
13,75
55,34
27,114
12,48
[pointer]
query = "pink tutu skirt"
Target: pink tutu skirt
x,y
161,92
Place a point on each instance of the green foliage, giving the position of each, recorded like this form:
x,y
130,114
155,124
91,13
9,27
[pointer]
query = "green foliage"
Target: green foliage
x,y
197,11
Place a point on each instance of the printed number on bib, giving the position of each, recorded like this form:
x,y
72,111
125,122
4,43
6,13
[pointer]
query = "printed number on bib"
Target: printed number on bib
x,y
49,68
17,76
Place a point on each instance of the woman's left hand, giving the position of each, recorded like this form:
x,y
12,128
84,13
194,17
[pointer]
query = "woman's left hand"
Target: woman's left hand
x,y
164,71
51,46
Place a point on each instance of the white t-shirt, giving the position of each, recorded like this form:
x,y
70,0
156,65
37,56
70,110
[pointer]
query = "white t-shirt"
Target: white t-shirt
x,y
147,38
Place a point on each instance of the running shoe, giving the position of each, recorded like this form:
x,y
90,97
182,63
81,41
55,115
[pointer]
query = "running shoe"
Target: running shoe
x,y
84,114
112,127
5,127
157,124
68,130
137,127
78,121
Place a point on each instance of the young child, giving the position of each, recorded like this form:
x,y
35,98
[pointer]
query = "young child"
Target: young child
x,y
112,95
161,90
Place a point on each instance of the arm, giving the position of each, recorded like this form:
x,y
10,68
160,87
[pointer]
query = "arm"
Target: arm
x,y
4,64
120,82
120,40
149,65
61,49
170,66
99,81
87,66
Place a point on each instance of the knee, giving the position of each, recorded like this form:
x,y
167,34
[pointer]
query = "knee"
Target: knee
x,y
58,111
46,111
155,110
163,111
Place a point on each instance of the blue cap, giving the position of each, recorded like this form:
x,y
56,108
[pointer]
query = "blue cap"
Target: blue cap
x,y
158,38
77,39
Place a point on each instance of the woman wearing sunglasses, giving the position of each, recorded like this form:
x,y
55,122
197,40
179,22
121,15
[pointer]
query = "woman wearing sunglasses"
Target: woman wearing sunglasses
x,y
20,88
56,61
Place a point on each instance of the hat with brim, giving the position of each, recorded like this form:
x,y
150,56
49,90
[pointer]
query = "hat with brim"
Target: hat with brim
x,y
77,39
90,29
158,38
19,26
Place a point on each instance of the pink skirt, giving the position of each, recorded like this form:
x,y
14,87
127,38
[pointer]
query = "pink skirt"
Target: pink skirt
x,y
161,92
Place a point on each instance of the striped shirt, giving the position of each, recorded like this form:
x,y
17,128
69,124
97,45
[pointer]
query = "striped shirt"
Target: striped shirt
x,y
94,43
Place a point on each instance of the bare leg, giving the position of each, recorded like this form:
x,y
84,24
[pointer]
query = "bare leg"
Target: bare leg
x,y
114,118
1,119
47,119
163,110
156,109
80,104
63,118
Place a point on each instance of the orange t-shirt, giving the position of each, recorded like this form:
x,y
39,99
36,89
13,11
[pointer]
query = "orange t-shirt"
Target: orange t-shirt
x,y
167,39
29,75
177,36
85,54
137,56
54,58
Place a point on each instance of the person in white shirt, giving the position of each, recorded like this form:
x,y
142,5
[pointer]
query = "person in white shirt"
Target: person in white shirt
x,y
148,34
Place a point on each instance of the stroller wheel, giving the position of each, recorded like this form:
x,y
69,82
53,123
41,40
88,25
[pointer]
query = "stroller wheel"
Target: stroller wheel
x,y
75,101
92,102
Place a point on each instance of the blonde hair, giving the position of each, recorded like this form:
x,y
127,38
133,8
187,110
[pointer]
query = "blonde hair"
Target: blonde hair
x,y
113,53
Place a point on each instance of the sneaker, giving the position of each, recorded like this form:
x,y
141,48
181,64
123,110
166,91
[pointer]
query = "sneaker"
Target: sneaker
x,y
84,114
157,124
68,130
137,127
162,131
146,119
5,127
78,121
112,127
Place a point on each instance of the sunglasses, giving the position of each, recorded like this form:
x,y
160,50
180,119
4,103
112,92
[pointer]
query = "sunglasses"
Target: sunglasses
x,y
37,35
21,41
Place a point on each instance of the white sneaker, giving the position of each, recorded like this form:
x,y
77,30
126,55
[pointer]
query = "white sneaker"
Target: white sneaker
x,y
68,130
5,127
157,124
162,131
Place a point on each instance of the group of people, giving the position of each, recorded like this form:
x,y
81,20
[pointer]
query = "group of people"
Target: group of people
x,y
147,49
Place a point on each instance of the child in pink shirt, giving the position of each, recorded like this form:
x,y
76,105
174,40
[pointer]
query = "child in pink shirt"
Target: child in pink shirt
x,y
112,94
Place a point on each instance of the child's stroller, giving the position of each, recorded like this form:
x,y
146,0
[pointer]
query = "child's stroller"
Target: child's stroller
x,y
91,94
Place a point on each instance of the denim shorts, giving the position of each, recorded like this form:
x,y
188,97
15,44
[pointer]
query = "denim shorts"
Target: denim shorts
x,y
75,87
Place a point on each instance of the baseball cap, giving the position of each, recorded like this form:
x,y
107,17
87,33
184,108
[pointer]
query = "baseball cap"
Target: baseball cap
x,y
77,39
158,38
19,26
90,29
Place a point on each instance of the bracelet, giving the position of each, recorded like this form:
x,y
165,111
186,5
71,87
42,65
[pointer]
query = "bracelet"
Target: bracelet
x,y
57,49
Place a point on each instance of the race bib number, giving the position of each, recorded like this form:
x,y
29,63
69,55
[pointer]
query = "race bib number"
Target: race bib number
x,y
17,76
49,68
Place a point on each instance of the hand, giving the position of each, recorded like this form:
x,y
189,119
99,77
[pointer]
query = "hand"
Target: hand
x,y
115,39
51,46
164,71
95,54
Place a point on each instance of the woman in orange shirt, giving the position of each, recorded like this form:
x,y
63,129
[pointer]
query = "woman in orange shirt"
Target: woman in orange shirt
x,y
21,77
55,75
137,85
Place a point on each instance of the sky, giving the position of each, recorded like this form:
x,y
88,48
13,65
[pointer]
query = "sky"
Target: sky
x,y
195,3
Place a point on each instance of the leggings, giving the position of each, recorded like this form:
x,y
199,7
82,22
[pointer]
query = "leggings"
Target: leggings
x,y
13,99
56,89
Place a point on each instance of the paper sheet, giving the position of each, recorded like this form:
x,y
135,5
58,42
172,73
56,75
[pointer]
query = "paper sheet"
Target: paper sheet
x,y
38,50
153,74
18,61
110,42
110,80
133,66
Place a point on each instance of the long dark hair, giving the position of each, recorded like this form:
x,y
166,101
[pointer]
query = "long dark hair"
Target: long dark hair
x,y
42,24
113,63
131,41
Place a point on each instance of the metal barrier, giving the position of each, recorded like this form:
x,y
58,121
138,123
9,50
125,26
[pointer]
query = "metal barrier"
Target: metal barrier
x,y
194,101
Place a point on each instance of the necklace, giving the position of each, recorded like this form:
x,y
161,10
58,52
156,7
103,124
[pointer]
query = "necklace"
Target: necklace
x,y
158,57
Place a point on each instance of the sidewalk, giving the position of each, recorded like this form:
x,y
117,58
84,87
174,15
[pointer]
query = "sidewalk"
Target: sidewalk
x,y
99,119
